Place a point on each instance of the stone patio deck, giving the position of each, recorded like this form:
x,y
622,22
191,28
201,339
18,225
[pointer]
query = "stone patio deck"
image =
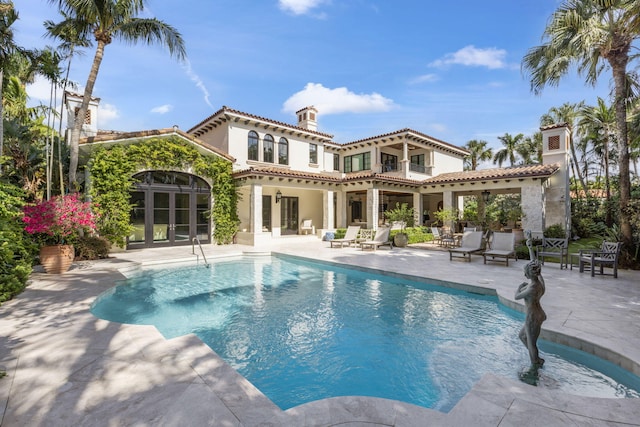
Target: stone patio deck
x,y
67,368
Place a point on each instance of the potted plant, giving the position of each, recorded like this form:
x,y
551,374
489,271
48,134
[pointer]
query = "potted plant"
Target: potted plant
x,y
56,224
404,216
446,217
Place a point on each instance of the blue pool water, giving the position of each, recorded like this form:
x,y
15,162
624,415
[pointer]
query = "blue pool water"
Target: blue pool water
x,y
302,331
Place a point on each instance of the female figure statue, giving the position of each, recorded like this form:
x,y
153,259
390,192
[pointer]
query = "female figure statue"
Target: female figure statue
x,y
531,292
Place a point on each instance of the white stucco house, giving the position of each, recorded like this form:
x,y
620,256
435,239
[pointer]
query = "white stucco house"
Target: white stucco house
x,y
290,174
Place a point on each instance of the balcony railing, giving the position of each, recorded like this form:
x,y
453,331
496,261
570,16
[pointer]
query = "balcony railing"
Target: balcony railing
x,y
413,167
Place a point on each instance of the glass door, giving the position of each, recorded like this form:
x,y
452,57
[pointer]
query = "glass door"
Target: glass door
x,y
289,215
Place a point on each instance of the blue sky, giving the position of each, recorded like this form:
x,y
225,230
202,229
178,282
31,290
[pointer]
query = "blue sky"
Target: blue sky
x,y
447,69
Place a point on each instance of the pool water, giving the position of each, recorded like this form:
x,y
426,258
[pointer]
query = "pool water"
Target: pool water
x,y
303,331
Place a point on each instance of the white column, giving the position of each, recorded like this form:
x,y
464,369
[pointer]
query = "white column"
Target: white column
x,y
405,159
341,211
372,208
417,208
255,219
532,200
327,209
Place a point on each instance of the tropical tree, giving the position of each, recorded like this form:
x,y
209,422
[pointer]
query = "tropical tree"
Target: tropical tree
x,y
568,114
107,20
8,47
597,124
509,152
530,149
593,35
478,152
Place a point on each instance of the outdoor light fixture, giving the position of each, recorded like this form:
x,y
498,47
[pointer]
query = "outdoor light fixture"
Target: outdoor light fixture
x,y
278,196
485,196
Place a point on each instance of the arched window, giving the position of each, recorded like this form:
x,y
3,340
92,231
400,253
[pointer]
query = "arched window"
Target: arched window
x,y
283,151
267,149
252,153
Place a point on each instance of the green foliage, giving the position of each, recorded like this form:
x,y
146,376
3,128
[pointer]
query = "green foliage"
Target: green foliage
x,y
522,251
414,234
16,250
91,247
402,214
340,233
555,231
112,170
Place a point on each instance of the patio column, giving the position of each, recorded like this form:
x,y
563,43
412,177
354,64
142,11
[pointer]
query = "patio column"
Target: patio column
x,y
532,200
341,211
255,209
405,159
373,197
417,208
448,203
328,220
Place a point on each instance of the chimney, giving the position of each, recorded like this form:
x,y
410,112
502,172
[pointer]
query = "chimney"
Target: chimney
x,y
307,118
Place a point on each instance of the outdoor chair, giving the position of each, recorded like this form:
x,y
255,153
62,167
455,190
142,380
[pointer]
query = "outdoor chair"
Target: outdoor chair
x,y
306,226
437,237
502,246
365,234
606,256
471,244
556,248
349,237
381,239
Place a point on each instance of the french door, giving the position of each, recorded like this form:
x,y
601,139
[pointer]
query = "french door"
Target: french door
x,y
289,215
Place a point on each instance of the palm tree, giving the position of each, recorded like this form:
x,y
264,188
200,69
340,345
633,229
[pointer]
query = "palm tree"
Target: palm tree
x,y
598,125
478,152
106,20
8,16
592,34
530,149
567,113
511,144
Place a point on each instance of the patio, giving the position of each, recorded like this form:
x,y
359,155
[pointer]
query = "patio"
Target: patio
x,y
66,367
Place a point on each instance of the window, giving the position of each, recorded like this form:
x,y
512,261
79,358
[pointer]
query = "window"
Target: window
x,y
417,159
283,151
357,162
252,153
267,149
336,162
313,153
389,162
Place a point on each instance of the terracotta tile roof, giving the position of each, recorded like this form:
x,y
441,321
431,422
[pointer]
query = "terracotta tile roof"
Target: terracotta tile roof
x,y
113,136
554,126
368,175
226,110
412,134
529,171
289,173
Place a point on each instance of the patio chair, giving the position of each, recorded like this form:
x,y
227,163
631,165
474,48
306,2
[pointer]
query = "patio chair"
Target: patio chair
x,y
307,226
606,256
381,239
502,246
471,243
558,248
437,237
349,237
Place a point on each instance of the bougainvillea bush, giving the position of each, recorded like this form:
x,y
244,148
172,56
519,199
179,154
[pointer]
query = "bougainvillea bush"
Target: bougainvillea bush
x,y
59,220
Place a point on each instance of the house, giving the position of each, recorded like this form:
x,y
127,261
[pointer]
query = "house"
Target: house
x,y
290,173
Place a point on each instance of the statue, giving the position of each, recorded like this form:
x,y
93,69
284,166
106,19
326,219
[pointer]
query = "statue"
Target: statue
x,y
531,292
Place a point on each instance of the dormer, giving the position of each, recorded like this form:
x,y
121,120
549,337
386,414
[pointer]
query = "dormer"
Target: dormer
x,y
307,118
90,125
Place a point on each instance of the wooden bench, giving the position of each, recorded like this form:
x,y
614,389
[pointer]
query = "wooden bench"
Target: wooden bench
x,y
606,256
556,248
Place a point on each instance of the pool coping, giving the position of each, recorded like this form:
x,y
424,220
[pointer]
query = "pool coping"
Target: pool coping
x,y
222,391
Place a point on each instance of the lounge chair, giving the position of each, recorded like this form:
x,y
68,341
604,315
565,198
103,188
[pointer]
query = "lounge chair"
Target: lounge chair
x,y
437,237
307,226
502,246
471,244
381,239
607,256
349,237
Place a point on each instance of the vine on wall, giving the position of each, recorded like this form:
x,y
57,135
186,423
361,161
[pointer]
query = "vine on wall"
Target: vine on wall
x,y
112,171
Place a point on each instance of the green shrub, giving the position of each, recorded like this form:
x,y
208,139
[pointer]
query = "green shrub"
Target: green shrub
x,y
522,251
555,231
17,251
340,233
414,234
91,247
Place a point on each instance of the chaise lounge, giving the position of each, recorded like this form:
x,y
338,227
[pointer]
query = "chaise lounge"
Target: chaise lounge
x,y
381,239
349,237
471,244
502,246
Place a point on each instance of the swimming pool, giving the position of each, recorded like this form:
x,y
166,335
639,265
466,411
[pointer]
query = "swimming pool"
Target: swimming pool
x,y
303,331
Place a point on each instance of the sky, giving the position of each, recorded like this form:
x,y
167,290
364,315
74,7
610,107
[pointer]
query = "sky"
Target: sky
x,y
451,70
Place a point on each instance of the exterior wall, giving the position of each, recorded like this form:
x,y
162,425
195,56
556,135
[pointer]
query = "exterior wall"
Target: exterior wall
x,y
444,163
533,206
219,138
555,149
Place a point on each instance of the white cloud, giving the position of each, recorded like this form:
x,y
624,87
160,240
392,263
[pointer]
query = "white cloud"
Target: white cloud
x,y
335,101
162,109
106,114
39,91
198,81
299,7
491,58
425,78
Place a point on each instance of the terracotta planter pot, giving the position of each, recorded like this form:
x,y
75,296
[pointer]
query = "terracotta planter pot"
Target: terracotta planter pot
x,y
56,259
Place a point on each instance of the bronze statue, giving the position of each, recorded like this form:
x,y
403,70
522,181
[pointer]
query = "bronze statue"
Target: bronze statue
x,y
531,292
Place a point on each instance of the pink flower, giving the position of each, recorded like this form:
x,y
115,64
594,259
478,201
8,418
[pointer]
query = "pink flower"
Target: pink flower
x,y
59,219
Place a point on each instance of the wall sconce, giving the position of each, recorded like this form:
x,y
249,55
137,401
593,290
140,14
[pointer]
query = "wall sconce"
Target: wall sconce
x,y
278,196
485,196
